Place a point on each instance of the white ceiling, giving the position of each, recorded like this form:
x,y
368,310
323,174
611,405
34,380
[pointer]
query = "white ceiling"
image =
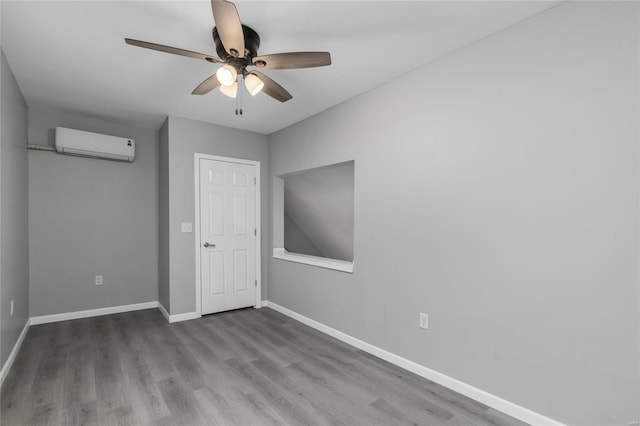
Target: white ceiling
x,y
70,55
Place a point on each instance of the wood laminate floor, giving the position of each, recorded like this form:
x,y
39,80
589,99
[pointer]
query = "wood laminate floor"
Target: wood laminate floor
x,y
245,367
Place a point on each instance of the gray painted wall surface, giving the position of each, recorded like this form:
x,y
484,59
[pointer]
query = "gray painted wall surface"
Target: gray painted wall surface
x,y
91,217
296,241
163,218
496,190
14,253
187,137
320,203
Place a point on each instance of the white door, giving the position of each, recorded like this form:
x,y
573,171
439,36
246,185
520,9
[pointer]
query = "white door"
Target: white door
x,y
227,235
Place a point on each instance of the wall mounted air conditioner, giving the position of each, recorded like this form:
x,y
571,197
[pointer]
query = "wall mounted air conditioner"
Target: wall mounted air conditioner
x,y
94,145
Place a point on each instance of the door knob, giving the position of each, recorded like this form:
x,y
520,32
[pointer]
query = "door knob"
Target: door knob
x,y
209,245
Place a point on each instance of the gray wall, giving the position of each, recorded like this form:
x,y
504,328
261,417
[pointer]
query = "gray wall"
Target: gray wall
x,y
14,253
496,190
320,203
187,137
91,217
163,218
296,241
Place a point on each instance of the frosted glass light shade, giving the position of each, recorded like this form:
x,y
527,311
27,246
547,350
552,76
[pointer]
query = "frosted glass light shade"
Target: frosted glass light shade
x,y
226,75
253,84
230,91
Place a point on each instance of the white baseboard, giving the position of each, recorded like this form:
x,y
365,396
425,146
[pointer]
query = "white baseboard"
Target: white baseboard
x,y
179,317
164,312
12,356
45,319
184,317
472,392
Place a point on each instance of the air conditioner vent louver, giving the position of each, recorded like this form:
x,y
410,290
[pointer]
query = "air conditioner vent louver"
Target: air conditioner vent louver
x,y
94,145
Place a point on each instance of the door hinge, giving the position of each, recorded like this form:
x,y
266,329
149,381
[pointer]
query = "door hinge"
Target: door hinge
x,y
255,180
255,232
256,283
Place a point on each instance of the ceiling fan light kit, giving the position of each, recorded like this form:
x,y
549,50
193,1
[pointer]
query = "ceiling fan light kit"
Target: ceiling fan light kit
x,y
237,46
227,75
253,84
231,91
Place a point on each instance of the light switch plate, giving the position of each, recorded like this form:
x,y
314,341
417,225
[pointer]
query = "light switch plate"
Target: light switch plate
x,y
186,227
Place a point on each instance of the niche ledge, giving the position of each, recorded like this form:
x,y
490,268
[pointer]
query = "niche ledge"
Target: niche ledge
x,y
322,262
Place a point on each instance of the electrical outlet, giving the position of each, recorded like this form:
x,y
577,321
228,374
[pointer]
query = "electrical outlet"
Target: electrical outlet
x,y
424,321
99,280
11,307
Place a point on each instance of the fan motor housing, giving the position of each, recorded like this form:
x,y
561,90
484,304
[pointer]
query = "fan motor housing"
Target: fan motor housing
x,y
251,45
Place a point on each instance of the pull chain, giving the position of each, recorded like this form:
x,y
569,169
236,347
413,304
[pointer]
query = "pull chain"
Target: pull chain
x,y
236,104
240,95
239,100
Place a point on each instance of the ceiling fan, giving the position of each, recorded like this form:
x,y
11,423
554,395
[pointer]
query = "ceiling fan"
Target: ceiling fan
x,y
237,46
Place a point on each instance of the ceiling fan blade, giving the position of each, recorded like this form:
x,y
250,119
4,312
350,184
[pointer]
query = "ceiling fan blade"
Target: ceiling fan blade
x,y
272,88
206,86
229,27
292,60
169,49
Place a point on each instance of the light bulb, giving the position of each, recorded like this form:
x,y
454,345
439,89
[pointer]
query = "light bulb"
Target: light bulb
x,y
230,91
253,84
226,75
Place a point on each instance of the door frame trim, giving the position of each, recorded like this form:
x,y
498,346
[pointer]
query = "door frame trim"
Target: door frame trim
x,y
198,282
